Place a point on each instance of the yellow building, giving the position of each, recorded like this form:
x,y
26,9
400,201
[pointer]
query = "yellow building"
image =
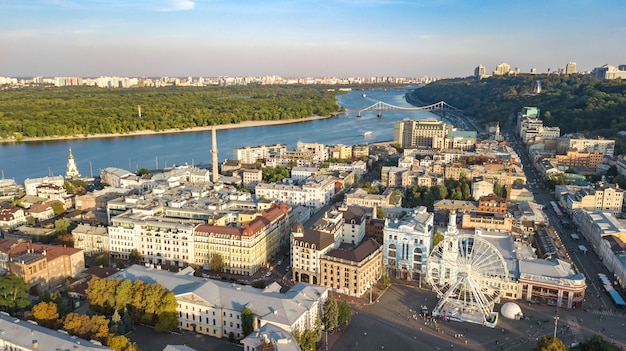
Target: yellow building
x,y
247,248
352,272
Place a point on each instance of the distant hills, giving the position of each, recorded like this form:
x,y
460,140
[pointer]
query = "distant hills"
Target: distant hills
x,y
576,103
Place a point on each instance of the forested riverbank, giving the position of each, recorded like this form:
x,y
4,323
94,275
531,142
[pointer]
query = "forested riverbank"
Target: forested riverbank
x,y
78,112
576,103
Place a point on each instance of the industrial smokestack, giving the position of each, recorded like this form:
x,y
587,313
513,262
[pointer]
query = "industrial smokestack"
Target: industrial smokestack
x,y
214,154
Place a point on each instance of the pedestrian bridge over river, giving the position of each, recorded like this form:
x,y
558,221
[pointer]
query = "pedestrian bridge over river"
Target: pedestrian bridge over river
x,y
380,106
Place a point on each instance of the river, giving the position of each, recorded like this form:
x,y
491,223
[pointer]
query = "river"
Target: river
x,y
38,159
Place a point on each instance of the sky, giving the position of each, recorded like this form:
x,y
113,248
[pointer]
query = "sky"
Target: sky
x,y
305,38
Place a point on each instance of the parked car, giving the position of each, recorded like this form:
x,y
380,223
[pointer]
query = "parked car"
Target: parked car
x,y
268,273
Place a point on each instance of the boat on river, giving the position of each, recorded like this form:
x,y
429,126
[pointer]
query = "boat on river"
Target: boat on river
x,y
368,133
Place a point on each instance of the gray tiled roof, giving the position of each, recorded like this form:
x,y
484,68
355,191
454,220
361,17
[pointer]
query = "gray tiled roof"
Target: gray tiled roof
x,y
32,336
269,306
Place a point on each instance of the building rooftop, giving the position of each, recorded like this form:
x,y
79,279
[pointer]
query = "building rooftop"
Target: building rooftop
x,y
355,254
270,306
30,336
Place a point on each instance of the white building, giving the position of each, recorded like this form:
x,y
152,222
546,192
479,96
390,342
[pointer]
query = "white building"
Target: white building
x,y
605,147
30,185
158,240
91,239
407,243
251,178
252,154
303,173
214,308
314,193
604,197
318,150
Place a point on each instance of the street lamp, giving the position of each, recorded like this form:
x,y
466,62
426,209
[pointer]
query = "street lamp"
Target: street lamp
x,y
556,320
369,285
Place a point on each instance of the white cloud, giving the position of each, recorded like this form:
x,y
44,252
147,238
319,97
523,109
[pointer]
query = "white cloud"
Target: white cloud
x,y
177,5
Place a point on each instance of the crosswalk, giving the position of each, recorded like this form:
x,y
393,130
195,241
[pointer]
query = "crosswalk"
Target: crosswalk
x,y
608,313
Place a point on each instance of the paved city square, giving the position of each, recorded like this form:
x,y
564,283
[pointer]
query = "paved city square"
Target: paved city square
x,y
390,324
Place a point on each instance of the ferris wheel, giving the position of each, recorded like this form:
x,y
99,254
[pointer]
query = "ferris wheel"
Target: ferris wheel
x,y
466,271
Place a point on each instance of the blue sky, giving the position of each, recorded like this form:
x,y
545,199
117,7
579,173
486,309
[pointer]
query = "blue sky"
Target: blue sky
x,y
305,37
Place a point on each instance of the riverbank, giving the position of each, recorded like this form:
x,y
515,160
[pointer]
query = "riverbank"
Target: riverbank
x,y
244,124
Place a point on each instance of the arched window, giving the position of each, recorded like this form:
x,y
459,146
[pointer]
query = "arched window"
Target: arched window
x,y
391,251
417,258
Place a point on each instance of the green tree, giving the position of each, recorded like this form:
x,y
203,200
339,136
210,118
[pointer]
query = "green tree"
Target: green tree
x,y
518,181
247,321
62,226
380,212
597,343
550,343
217,263
498,190
134,257
308,339
13,293
330,318
437,238
143,171
127,321
395,198
345,312
57,208
386,281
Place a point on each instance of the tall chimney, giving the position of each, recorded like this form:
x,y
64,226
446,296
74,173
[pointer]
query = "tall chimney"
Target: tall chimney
x,y
214,154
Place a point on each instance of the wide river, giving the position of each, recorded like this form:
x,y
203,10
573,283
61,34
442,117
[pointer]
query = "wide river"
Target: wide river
x,y
38,159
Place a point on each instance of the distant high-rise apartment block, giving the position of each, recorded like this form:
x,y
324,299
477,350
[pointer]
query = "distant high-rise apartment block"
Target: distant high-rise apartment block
x,y
570,68
502,69
480,71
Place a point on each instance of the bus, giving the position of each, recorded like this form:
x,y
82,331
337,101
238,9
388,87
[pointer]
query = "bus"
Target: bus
x,y
556,209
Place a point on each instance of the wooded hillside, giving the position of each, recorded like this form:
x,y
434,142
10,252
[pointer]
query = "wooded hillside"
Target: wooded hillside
x,y
575,103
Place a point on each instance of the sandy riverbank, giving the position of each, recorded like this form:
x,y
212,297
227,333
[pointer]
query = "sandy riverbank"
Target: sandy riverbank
x,y
244,124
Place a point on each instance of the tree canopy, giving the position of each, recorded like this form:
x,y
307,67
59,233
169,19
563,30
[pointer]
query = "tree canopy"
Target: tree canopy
x,y
550,343
76,111
13,293
575,103
147,303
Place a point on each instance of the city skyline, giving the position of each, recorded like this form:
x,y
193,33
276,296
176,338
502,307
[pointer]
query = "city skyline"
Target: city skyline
x,y
445,38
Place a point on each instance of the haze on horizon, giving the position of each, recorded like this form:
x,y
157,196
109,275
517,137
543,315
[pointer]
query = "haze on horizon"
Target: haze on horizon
x,y
343,38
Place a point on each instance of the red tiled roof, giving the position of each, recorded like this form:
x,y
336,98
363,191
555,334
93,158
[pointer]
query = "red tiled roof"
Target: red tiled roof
x,y
20,247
